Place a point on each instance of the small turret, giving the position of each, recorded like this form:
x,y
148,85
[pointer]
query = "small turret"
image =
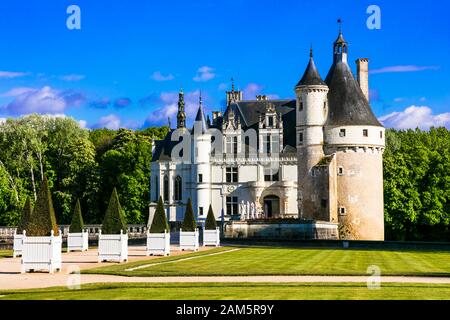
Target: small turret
x,y
181,115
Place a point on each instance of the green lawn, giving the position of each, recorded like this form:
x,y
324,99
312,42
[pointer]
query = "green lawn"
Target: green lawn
x,y
291,261
6,253
255,291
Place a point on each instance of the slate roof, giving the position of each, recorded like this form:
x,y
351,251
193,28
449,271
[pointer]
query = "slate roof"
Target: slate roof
x,y
346,101
311,76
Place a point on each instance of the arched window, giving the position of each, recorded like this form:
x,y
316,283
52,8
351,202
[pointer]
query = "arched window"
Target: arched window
x,y
178,188
166,189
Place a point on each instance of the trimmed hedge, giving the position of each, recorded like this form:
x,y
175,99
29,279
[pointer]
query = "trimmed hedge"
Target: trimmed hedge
x,y
77,224
159,223
189,220
26,215
114,220
43,219
210,223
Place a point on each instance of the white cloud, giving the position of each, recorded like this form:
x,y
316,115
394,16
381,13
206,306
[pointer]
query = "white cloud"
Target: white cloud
x,y
223,86
111,121
169,100
44,100
72,77
82,123
158,76
14,92
396,69
204,73
2,120
253,89
11,75
416,117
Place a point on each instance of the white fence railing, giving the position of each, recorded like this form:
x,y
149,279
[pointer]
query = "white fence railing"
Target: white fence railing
x,y
134,231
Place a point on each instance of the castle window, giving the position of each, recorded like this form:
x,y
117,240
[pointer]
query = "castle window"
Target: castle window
x,y
156,188
231,174
271,174
300,138
178,190
231,145
270,122
300,106
232,205
324,104
342,133
314,172
340,171
381,134
166,189
365,132
200,211
200,178
323,203
247,146
342,211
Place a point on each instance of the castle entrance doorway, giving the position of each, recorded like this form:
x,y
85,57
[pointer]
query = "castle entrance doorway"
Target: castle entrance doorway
x,y
271,206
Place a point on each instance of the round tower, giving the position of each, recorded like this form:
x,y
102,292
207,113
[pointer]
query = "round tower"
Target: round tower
x,y
201,163
311,103
356,138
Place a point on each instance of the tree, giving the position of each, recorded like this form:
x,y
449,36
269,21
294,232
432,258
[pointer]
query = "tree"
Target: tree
x,y
77,224
43,219
189,220
159,223
26,215
210,223
114,220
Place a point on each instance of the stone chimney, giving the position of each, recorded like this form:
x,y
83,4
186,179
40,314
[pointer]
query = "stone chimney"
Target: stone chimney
x,y
362,66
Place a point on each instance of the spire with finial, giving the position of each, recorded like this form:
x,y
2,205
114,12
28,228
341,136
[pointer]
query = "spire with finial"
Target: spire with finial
x,y
232,84
311,76
181,115
200,120
340,49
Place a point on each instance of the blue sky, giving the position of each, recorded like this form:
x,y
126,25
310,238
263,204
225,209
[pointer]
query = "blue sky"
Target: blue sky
x,y
130,58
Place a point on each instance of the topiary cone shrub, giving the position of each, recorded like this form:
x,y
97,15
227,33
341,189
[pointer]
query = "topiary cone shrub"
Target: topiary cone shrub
x,y
26,215
189,220
159,223
210,223
114,220
43,219
77,224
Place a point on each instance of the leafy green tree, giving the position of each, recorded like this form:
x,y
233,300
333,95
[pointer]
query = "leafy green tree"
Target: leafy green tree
x,y
210,223
159,223
43,219
77,224
25,218
114,220
189,219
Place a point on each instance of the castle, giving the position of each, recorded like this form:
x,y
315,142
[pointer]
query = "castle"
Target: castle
x,y
317,157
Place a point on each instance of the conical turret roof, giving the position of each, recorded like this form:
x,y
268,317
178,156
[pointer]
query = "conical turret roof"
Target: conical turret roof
x,y
311,77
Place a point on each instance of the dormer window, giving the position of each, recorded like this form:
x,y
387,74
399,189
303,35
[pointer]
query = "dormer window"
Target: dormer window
x,y
270,121
342,133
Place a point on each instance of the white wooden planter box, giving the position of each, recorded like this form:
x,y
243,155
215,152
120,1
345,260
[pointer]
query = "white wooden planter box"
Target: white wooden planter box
x,y
41,253
77,241
17,244
112,247
158,244
189,240
211,237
